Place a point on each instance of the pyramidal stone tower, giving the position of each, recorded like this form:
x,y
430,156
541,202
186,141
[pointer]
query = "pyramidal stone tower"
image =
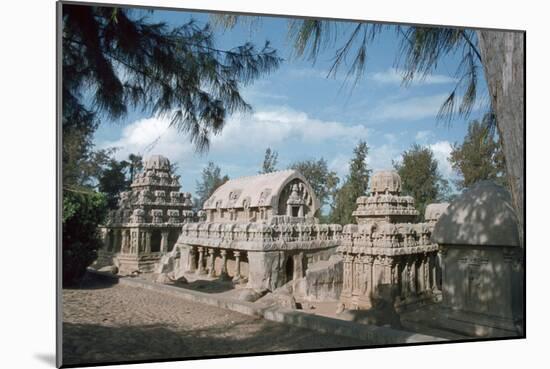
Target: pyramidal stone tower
x,y
387,255
148,220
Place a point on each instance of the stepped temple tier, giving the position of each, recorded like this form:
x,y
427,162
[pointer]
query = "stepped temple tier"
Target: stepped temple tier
x,y
260,229
148,220
386,255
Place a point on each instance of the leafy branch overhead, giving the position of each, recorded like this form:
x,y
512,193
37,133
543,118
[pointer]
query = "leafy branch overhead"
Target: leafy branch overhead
x,y
177,72
421,49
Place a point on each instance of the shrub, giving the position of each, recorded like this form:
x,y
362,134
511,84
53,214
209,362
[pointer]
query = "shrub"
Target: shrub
x,y
83,211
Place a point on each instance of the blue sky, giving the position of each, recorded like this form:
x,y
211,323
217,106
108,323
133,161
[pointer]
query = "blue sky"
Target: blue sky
x,y
303,115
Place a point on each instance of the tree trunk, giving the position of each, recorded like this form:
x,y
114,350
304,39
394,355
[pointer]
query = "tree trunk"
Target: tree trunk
x,y
503,60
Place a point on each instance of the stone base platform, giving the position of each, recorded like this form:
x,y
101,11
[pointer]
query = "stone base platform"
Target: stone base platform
x,y
456,324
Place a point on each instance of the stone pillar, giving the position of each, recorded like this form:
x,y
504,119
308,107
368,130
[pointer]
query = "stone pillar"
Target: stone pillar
x,y
124,241
223,274
395,279
192,259
148,242
426,264
211,260
164,241
434,273
369,275
404,279
412,276
200,269
237,276
107,239
301,211
348,275
134,240
421,276
440,257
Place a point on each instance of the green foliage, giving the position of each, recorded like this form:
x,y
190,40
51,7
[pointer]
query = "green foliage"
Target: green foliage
x,y
270,161
479,157
83,210
211,179
122,61
323,181
420,51
113,180
420,177
354,186
113,61
135,163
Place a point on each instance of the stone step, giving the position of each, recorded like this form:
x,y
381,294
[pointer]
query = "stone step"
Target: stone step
x,y
431,331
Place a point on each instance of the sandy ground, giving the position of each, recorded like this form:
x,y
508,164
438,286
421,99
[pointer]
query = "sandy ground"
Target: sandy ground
x,y
105,322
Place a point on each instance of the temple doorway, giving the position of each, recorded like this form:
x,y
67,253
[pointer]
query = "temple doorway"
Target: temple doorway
x,y
289,268
155,241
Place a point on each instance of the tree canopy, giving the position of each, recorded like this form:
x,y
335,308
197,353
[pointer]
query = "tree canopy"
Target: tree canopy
x,y
421,49
355,185
270,161
211,179
421,178
323,180
116,60
479,157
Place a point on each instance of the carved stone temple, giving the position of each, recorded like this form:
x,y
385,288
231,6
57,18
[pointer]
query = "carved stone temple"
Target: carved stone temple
x,y
482,263
460,271
148,220
387,255
260,229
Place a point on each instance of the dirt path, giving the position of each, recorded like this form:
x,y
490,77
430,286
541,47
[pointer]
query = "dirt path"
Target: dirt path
x,y
105,322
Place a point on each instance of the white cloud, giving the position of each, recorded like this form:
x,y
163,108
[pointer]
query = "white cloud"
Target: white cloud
x,y
409,109
394,76
148,136
423,136
307,73
262,90
381,157
442,151
275,126
280,124
340,165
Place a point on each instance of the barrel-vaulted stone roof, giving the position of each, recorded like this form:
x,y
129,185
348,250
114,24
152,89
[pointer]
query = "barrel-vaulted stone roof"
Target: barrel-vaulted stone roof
x,y
256,191
483,216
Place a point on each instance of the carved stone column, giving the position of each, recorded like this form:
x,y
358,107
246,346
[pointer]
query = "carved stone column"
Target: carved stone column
x,y
369,276
395,285
147,242
134,240
223,274
412,276
404,278
426,265
435,288
237,276
124,242
200,269
192,259
211,260
106,239
421,276
164,241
